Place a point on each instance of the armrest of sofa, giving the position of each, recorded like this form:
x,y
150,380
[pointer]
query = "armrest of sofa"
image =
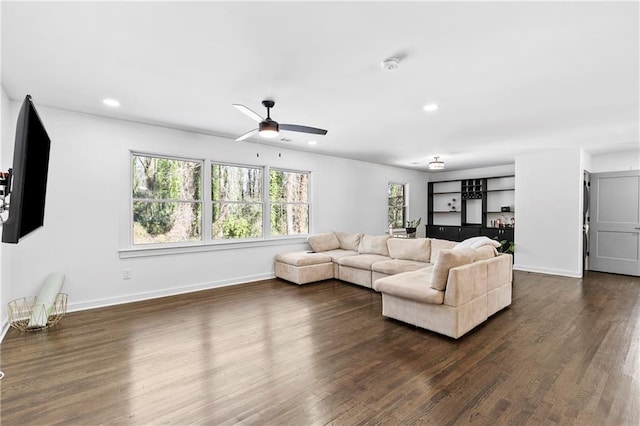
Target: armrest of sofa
x,y
466,283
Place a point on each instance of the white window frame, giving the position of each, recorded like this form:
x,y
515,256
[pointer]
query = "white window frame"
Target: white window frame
x,y
207,243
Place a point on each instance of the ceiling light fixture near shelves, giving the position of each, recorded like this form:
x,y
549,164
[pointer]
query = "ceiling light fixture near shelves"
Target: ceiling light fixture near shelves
x,y
111,102
436,164
430,107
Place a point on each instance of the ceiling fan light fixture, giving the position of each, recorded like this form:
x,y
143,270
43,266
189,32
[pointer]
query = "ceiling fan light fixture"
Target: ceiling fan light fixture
x,y
436,164
268,129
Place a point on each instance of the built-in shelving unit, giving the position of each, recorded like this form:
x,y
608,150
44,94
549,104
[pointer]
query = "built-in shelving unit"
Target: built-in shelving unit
x,y
460,209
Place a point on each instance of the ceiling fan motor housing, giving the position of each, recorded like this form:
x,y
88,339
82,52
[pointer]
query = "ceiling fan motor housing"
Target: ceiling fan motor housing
x,y
268,128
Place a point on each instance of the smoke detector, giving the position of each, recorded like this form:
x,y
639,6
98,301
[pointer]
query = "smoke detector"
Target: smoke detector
x,y
390,64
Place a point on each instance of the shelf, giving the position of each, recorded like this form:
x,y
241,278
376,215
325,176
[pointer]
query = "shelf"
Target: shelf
x,y
498,211
500,190
445,193
447,211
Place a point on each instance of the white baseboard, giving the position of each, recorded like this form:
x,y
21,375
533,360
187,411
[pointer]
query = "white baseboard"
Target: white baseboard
x,y
137,297
561,272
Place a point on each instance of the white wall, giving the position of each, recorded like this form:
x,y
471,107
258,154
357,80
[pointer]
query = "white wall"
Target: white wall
x,y
615,161
87,210
549,198
5,163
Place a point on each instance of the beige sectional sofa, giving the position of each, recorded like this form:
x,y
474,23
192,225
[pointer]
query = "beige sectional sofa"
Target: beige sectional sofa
x,y
440,285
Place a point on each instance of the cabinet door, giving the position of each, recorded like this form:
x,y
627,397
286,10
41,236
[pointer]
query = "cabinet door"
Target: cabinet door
x,y
468,232
499,233
443,232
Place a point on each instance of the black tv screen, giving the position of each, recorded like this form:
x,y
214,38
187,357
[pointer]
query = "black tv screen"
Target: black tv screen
x,y
29,180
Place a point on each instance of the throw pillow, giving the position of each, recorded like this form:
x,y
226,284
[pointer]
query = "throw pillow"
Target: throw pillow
x,y
437,245
475,242
446,260
323,242
485,252
374,245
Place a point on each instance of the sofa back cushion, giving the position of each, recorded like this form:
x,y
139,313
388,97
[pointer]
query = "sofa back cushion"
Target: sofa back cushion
x,y
370,244
323,242
348,240
437,245
418,249
447,259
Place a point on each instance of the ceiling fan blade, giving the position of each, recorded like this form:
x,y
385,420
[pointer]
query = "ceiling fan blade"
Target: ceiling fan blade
x,y
247,135
249,113
302,129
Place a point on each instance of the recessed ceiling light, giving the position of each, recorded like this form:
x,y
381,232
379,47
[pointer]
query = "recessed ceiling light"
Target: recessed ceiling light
x,y
430,107
111,102
312,143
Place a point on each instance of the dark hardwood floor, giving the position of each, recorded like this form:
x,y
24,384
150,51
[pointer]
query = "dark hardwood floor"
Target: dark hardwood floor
x,y
567,351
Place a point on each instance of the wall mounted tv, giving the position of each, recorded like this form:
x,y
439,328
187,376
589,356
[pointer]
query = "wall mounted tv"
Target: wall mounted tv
x,y
28,183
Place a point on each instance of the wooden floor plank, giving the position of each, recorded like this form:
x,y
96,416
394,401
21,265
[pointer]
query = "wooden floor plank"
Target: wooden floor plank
x,y
565,352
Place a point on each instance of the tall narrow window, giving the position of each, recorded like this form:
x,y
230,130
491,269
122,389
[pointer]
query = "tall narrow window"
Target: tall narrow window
x,y
288,195
236,196
397,205
167,202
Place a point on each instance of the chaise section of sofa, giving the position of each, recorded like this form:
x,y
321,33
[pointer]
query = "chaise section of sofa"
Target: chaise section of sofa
x,y
476,285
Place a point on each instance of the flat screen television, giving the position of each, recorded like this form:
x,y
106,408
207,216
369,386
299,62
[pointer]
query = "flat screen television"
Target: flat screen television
x,y
29,175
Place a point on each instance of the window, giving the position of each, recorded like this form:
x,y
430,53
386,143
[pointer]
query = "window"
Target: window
x,y
397,205
236,195
245,203
167,204
288,196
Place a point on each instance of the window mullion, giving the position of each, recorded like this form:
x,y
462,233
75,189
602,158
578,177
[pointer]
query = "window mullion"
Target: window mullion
x,y
266,202
207,203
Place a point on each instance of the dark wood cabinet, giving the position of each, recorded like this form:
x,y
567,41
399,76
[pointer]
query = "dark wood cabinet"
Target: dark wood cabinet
x,y
499,233
450,233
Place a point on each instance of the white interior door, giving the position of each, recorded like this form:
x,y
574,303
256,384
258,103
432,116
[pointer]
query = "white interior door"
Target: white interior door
x,y
615,223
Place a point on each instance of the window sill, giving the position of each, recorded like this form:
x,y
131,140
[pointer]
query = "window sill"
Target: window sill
x,y
203,247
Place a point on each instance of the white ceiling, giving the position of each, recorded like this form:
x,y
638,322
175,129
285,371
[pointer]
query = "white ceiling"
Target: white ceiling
x,y
509,76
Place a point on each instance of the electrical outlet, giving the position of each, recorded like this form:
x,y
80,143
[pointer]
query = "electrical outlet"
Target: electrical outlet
x,y
126,274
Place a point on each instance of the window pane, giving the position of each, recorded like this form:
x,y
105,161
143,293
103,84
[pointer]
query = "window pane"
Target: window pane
x,y
233,183
396,205
166,179
396,217
236,220
289,219
396,194
287,186
166,222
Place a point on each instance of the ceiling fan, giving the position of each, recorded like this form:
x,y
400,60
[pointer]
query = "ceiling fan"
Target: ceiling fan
x,y
268,128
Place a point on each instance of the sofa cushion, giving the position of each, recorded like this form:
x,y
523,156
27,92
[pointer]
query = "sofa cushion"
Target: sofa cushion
x,y
348,240
446,260
484,252
361,261
338,253
303,258
323,242
418,249
370,244
410,285
397,266
437,245
476,242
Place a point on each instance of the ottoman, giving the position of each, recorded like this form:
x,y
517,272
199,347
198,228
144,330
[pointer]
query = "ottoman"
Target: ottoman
x,y
303,267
